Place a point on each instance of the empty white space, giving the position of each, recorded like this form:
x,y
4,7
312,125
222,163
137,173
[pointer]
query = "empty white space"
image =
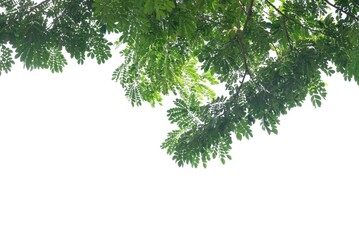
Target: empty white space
x,y
78,162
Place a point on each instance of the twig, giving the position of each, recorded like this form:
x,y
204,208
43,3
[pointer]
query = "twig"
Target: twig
x,y
241,84
241,45
206,18
293,19
341,10
241,36
275,48
241,6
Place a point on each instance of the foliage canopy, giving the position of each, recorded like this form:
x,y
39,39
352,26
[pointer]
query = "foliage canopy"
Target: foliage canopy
x,y
269,55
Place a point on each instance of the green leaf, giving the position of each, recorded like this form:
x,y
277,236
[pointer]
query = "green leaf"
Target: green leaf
x,y
6,60
243,130
269,58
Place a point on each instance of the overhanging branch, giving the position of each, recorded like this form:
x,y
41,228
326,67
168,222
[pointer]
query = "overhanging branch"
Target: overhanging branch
x,y
341,10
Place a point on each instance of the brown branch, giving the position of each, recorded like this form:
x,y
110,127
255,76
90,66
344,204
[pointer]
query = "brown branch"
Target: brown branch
x,y
241,6
241,43
279,11
243,52
248,17
238,90
241,36
341,10
241,9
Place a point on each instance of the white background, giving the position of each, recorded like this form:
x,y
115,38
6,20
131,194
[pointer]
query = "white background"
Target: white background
x,y
78,162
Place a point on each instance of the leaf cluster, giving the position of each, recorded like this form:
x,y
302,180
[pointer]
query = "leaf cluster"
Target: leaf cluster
x,y
41,32
270,56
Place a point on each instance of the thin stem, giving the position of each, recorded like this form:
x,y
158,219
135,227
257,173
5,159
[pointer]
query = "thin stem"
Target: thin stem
x,y
241,6
275,48
241,84
292,19
241,36
241,45
341,10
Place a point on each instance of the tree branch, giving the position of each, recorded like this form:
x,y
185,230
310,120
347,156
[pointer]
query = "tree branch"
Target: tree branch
x,y
292,19
238,90
241,43
244,58
341,10
241,35
275,48
241,6
248,17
